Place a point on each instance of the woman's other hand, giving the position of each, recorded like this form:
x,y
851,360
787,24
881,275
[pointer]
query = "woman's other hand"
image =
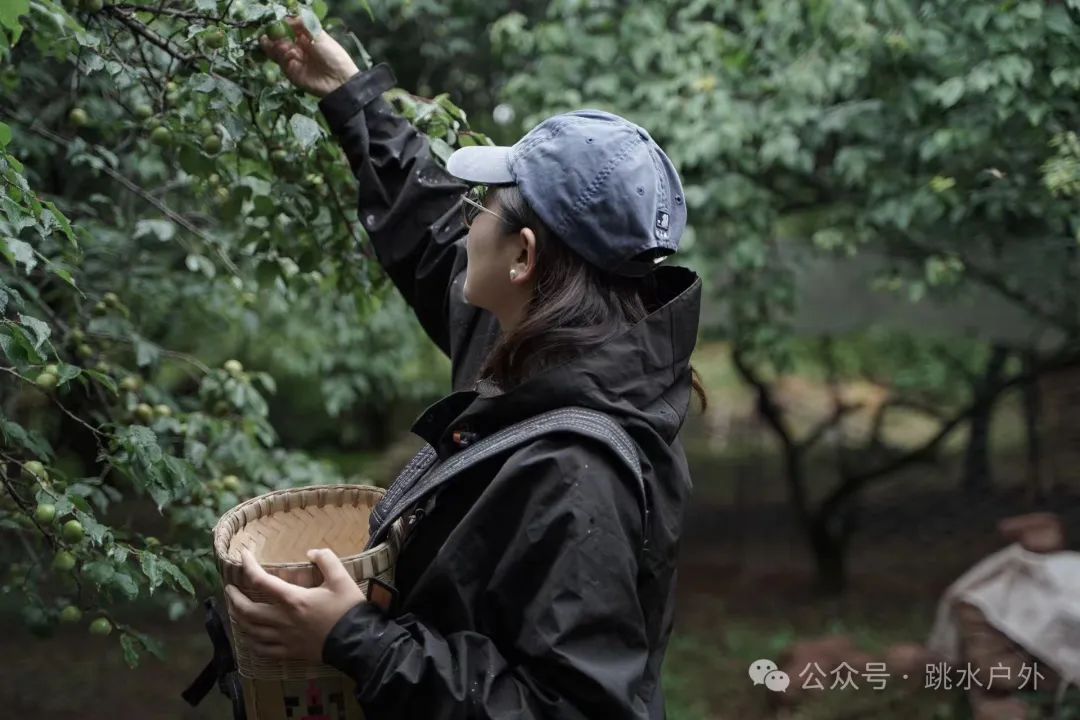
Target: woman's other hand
x,y
296,621
318,65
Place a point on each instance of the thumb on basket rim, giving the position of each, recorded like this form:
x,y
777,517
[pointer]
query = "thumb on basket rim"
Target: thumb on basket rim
x,y
330,565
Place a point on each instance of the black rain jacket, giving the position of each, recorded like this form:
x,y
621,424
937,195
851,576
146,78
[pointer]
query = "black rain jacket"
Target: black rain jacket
x,y
525,591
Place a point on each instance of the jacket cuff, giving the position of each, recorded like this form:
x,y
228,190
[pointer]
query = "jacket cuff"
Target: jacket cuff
x,y
354,644
339,105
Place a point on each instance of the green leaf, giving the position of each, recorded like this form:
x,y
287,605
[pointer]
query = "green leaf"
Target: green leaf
x,y
125,583
87,39
152,569
68,373
131,653
103,379
267,273
145,462
200,263
194,162
16,434
195,452
149,644
15,163
231,94
311,21
949,92
441,149
306,130
164,230
18,346
181,473
94,530
62,273
41,330
446,104
18,251
118,553
10,11
62,222
177,575
5,135
258,186
146,353
100,572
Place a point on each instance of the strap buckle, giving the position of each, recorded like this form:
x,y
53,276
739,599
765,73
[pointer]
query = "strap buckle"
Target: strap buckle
x,y
221,668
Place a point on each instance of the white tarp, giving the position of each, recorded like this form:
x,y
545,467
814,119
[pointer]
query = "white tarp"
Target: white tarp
x,y
1033,598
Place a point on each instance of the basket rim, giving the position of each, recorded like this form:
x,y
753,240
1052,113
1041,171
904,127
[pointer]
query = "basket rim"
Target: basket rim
x,y
236,509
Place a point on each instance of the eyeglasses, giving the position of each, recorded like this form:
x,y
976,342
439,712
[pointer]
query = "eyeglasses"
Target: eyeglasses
x,y
473,204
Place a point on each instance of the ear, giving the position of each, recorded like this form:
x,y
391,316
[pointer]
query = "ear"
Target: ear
x,y
526,258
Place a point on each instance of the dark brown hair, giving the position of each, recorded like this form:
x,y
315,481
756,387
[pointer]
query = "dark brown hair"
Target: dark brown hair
x,y
575,307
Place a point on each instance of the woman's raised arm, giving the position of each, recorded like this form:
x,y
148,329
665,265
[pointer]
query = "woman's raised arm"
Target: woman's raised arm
x,y
409,205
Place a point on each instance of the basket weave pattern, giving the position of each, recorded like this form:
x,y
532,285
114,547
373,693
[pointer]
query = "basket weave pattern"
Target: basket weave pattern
x,y
279,528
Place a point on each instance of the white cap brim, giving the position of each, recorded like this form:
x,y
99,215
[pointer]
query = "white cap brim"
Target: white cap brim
x,y
482,165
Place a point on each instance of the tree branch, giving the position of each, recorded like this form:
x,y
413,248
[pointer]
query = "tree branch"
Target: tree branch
x,y
856,481
186,14
901,403
140,29
766,405
840,411
774,416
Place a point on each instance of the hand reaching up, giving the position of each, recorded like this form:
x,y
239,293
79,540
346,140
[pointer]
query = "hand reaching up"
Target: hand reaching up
x,y
317,64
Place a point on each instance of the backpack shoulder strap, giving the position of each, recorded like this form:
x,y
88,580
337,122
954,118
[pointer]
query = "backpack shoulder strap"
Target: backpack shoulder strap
x,y
428,475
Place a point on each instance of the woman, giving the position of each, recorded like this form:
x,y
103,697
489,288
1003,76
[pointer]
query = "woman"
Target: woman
x,y
530,587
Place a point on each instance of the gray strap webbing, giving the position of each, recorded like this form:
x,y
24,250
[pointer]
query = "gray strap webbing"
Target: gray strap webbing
x,y
423,474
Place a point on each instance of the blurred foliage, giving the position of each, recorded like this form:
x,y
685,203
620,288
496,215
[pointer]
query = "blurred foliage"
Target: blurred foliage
x,y
935,134
339,367
939,371
439,44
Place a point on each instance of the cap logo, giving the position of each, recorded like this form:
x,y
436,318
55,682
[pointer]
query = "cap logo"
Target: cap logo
x,y
662,220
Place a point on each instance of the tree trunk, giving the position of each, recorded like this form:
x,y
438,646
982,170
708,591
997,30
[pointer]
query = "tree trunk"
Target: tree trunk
x,y
1032,422
977,473
829,558
377,425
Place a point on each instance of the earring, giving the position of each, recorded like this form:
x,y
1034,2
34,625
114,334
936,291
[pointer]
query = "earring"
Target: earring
x,y
513,273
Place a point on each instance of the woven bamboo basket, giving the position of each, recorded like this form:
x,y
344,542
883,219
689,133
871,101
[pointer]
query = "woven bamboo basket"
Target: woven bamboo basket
x,y
279,528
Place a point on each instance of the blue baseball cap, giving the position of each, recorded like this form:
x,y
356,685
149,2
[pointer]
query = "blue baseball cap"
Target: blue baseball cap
x,y
599,181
